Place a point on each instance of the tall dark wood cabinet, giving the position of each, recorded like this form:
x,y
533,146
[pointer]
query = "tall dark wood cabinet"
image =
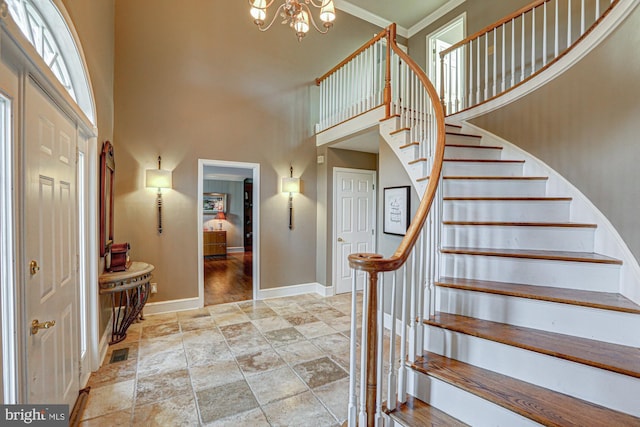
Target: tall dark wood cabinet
x,y
248,215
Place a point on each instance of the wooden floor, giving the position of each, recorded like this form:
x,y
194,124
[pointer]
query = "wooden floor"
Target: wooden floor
x,y
228,279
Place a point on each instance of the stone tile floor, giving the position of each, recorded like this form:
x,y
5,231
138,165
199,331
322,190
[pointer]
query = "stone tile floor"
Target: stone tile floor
x,y
277,362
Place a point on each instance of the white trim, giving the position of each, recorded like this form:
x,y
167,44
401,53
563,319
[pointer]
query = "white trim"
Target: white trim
x,y
434,16
235,249
334,231
579,51
431,68
103,345
370,17
608,241
289,291
255,167
171,306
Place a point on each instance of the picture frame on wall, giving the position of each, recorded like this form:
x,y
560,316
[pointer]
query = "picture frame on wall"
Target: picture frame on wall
x,y
212,203
396,212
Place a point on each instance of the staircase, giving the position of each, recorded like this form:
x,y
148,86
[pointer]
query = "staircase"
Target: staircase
x,y
528,327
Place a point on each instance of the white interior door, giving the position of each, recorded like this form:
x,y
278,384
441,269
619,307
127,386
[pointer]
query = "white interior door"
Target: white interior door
x,y
51,289
354,221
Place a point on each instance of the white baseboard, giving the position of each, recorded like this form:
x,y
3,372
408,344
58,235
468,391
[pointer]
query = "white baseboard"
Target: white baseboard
x,y
169,306
235,249
104,342
288,291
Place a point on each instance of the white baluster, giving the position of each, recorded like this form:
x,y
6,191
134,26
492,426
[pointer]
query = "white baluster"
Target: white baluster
x,y
513,52
420,298
470,74
523,50
402,370
544,35
391,382
503,57
478,87
533,41
495,61
353,402
582,17
556,45
569,24
486,66
412,308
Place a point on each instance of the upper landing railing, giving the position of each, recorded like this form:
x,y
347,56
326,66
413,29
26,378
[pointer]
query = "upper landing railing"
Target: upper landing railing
x,y
513,50
381,74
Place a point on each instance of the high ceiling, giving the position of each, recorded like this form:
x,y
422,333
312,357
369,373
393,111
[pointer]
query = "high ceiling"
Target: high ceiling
x,y
410,15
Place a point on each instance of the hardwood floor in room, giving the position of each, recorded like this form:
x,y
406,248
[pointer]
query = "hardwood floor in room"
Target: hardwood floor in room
x,y
228,279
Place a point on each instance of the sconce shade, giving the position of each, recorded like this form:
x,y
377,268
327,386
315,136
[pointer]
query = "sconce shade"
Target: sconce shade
x,y
290,185
220,215
158,178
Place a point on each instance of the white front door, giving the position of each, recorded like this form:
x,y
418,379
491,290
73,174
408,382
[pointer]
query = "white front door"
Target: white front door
x,y
354,221
51,289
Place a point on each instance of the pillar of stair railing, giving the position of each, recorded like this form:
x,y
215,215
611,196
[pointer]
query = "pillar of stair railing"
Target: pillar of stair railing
x,y
377,74
514,49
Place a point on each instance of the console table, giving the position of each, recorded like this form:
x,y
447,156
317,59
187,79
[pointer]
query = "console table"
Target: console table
x,y
129,292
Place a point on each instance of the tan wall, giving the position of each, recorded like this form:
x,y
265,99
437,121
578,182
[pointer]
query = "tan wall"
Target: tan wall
x,y
480,13
585,125
202,82
333,158
94,23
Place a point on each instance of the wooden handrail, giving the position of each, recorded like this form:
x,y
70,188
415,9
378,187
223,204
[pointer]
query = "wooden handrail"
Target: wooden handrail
x,y
374,263
493,26
382,34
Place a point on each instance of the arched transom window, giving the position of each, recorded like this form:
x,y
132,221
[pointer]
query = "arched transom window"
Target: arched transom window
x,y
45,28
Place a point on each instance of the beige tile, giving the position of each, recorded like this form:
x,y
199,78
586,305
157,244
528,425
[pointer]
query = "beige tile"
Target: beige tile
x,y
158,363
270,323
243,345
162,386
175,411
193,314
301,318
319,372
239,330
224,308
252,418
109,398
225,401
113,373
261,361
299,352
196,323
152,346
335,397
291,308
114,419
197,336
158,330
160,318
206,353
285,336
301,410
230,318
275,385
332,344
315,329
215,374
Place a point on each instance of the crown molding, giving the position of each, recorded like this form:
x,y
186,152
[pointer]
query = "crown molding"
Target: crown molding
x,y
365,15
434,16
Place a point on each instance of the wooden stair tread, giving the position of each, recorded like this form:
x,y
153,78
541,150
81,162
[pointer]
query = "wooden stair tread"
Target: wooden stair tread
x,y
521,178
483,160
521,224
534,402
535,254
453,125
415,412
463,134
612,357
532,199
480,147
593,299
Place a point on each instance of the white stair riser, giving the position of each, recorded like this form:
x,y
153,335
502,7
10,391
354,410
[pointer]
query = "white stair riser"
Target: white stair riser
x,y
481,169
579,239
472,153
506,210
595,385
389,125
419,169
464,406
409,153
452,129
561,274
584,322
463,140
494,188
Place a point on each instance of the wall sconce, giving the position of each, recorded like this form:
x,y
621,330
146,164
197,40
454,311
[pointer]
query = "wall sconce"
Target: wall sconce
x,y
291,185
158,178
220,217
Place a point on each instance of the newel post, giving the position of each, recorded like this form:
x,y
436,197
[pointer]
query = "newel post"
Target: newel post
x,y
372,345
391,37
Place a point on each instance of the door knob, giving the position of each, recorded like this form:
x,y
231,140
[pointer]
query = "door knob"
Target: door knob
x,y
36,325
34,267
340,239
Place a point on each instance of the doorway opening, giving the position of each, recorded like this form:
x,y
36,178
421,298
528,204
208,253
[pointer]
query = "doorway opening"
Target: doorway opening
x,y
228,237
441,39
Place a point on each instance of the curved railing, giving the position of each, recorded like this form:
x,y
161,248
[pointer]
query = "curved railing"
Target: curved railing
x,y
384,75
513,50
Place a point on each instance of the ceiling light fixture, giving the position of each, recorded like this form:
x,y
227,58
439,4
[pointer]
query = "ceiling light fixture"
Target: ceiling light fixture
x,y
295,13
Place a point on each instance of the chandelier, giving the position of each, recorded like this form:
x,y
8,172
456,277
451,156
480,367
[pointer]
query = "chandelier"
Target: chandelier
x,y
295,13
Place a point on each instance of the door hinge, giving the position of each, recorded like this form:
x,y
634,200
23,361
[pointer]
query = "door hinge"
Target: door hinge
x,y
374,186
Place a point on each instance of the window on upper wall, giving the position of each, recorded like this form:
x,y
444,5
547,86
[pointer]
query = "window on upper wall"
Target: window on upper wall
x,y
43,25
